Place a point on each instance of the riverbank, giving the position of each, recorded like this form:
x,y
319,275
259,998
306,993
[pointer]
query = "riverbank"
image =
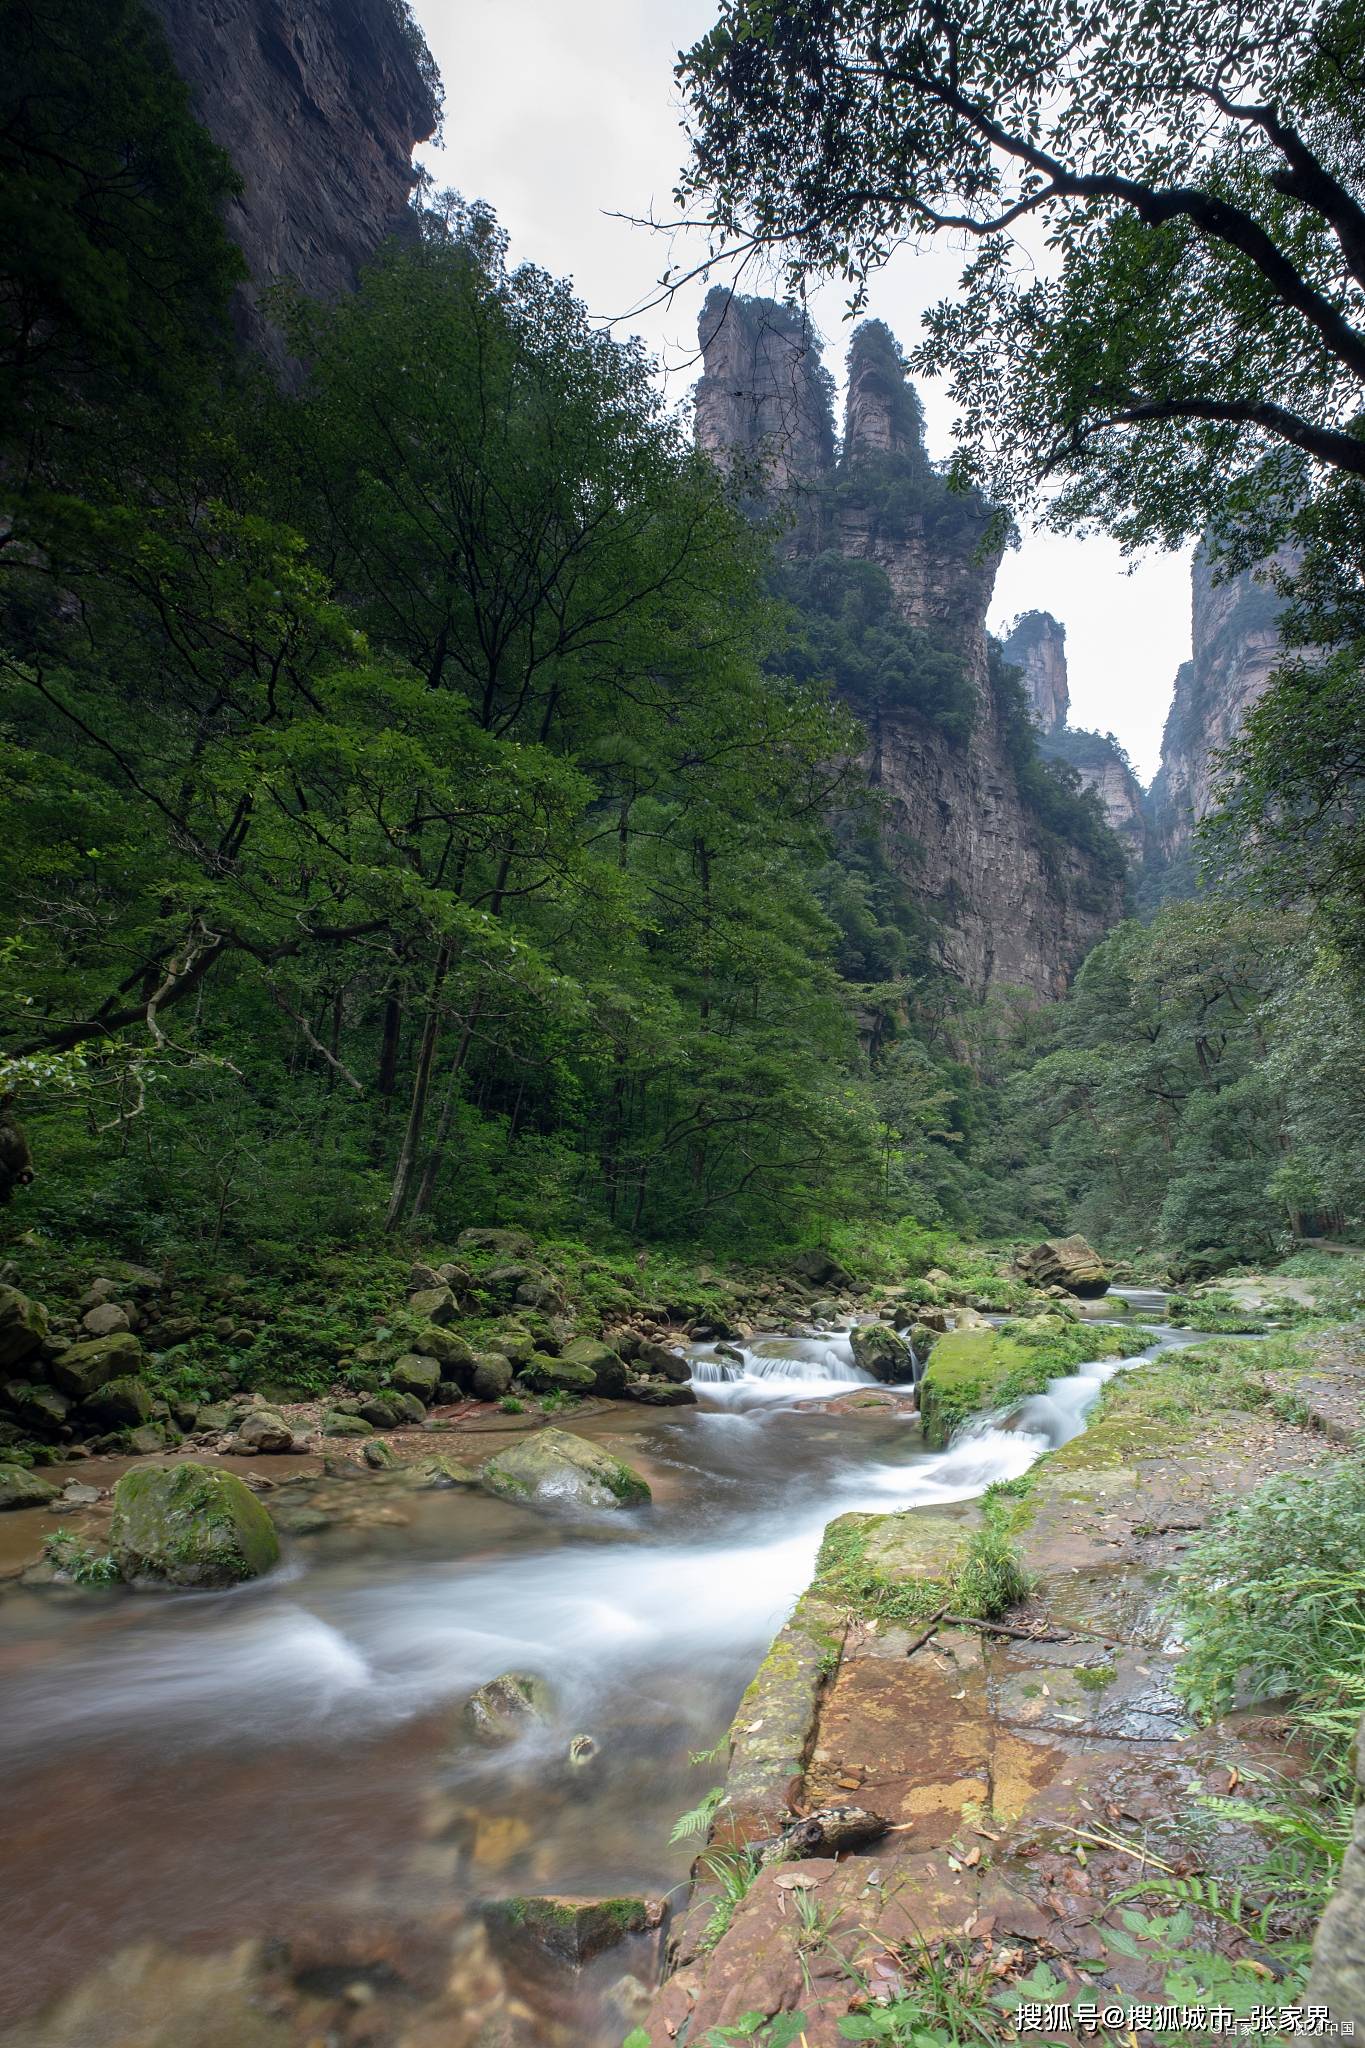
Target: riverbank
x,y
1029,1769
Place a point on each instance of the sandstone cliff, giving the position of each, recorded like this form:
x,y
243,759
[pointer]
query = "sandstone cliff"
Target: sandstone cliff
x,y
319,103
1235,645
1036,645
1013,901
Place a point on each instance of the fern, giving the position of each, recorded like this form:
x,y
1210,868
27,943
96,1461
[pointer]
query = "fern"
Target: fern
x,y
697,1820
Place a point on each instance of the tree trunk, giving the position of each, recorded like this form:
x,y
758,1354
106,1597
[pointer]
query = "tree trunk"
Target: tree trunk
x,y
421,1088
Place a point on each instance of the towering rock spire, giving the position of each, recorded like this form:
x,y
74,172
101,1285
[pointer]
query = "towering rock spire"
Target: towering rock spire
x,y
882,415
764,395
1037,646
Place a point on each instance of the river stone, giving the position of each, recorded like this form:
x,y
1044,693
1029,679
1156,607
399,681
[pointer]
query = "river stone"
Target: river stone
x,y
413,1374
118,1404
437,1304
507,1707
146,1439
82,1369
214,1418
554,1469
451,1352
514,1344
379,1410
379,1456
821,1269
504,1244
23,1327
608,1372
661,1361
547,1374
337,1424
40,1409
567,1928
262,1430
20,1488
1065,1262
105,1320
492,1376
188,1525
660,1393
881,1352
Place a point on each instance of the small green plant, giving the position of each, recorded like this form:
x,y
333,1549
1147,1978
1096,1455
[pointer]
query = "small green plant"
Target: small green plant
x,y
78,1562
557,1400
733,1872
779,2032
510,1405
697,1820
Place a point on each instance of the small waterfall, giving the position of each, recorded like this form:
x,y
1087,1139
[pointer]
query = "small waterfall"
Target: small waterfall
x,y
777,1370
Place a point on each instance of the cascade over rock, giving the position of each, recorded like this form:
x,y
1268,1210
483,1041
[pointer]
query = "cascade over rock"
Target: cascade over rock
x,y
1012,906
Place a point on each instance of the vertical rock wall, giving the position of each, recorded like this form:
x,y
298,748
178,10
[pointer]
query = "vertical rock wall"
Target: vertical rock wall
x,y
1014,906
1037,648
319,103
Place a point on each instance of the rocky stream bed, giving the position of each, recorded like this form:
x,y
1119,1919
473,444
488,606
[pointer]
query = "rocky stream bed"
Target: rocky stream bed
x,y
270,1814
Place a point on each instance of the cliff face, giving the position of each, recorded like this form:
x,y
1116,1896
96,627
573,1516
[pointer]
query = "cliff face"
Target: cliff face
x,y
1235,646
1037,648
319,103
1013,904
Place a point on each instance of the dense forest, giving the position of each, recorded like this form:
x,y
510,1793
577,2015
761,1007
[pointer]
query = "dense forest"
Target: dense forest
x,y
434,788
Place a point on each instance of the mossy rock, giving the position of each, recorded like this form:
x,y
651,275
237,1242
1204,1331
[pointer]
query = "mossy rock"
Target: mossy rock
x,y
451,1351
492,1376
20,1488
548,1375
413,1374
608,1371
82,1369
337,1424
513,1343
566,1928
878,1350
556,1470
973,1371
660,1393
189,1525
124,1403
506,1708
41,1410
23,1327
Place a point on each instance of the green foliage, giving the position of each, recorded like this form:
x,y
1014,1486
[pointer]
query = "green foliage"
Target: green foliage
x,y
78,1562
1276,1591
698,1819
1069,816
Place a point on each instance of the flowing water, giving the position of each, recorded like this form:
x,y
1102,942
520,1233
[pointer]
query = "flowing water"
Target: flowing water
x,y
285,1761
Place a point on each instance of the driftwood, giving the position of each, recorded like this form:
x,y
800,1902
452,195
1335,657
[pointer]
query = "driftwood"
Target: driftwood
x,y
823,1833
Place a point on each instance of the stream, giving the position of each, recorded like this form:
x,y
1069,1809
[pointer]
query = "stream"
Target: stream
x,y
286,1762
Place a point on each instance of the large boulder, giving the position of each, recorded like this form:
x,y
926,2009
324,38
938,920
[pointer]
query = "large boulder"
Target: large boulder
x,y
119,1404
188,1525
106,1319
437,1304
452,1353
41,1410
1067,1262
660,1393
262,1432
492,1376
550,1375
506,1707
504,1244
23,1327
661,1361
413,1374
821,1269
83,1368
608,1371
554,1469
513,1342
878,1350
20,1488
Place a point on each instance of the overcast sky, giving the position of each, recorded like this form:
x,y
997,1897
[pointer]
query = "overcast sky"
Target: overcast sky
x,y
562,115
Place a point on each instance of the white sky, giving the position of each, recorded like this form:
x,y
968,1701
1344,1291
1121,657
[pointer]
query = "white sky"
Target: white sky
x,y
560,115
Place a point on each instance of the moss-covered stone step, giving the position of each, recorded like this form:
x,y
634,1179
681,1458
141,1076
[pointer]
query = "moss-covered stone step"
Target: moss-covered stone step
x,y
973,1371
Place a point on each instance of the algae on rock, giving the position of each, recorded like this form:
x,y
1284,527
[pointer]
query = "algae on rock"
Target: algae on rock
x,y
189,1525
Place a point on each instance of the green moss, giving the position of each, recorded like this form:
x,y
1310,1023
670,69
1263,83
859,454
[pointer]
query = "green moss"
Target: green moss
x,y
972,1371
190,1525
1094,1677
902,1568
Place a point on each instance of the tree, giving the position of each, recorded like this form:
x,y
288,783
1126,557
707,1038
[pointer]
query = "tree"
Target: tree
x,y
1161,329
1198,339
